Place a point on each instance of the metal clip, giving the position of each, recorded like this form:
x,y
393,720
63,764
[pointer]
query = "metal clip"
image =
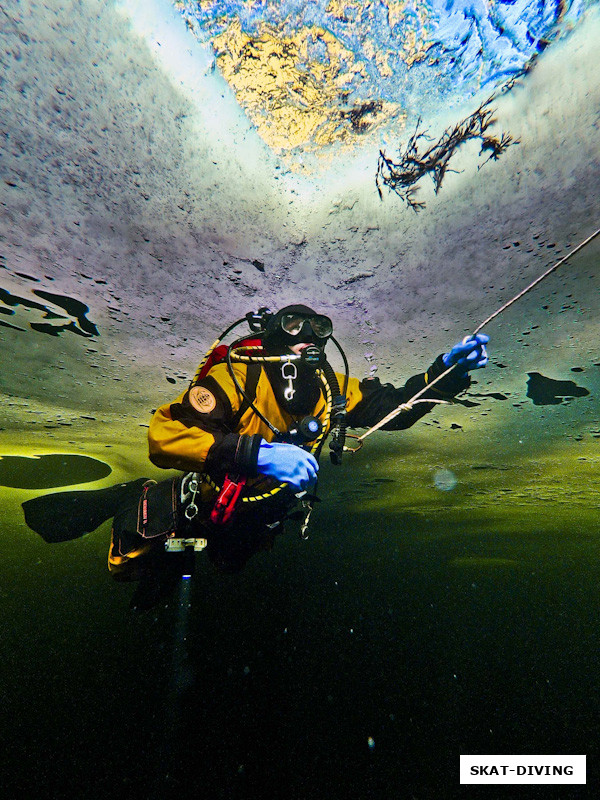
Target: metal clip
x,y
307,505
193,484
289,372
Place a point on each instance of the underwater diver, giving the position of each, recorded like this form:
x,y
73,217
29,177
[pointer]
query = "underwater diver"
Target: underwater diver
x,y
247,435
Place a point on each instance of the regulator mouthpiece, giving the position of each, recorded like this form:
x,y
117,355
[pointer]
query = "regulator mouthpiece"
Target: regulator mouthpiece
x,y
312,355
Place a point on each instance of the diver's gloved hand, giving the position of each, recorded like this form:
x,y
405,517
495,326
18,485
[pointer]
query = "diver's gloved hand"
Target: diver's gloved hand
x,y
469,354
287,463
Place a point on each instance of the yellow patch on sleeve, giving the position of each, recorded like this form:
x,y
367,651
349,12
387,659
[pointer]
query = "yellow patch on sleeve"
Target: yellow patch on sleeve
x,y
202,400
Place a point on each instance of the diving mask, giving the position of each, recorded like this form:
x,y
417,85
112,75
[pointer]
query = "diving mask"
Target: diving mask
x,y
292,324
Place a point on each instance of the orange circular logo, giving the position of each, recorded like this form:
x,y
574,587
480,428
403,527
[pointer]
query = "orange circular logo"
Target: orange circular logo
x,y
202,400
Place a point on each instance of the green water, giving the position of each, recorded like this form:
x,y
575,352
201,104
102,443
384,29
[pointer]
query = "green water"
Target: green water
x,y
436,622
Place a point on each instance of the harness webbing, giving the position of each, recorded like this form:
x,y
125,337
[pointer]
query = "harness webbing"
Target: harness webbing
x,y
252,377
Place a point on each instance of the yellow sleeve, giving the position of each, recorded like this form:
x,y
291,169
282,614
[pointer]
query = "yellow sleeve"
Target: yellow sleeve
x,y
181,433
353,392
174,445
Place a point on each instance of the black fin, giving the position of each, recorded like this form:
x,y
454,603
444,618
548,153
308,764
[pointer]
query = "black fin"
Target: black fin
x,y
63,516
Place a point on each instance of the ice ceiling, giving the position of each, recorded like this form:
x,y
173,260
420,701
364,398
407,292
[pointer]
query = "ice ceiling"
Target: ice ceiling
x,y
167,167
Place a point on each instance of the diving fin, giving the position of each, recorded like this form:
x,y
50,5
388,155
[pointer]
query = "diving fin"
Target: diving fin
x,y
63,516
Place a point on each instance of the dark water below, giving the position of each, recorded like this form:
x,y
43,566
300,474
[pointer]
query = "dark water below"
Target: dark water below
x,y
376,627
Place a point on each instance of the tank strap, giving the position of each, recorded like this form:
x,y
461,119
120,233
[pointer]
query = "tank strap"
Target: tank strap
x,y
252,378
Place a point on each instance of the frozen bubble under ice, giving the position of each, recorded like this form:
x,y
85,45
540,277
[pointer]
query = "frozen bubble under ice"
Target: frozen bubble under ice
x,y
445,480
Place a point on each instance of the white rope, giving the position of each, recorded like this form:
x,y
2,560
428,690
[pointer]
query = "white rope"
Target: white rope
x,y
408,405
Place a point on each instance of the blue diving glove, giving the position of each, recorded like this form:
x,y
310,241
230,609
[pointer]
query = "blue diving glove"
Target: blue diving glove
x,y
287,463
470,353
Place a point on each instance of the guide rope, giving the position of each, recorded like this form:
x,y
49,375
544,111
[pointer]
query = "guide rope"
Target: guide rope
x,y
403,407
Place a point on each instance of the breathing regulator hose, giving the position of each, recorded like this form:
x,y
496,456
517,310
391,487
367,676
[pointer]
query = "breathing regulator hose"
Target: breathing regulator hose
x,y
338,414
